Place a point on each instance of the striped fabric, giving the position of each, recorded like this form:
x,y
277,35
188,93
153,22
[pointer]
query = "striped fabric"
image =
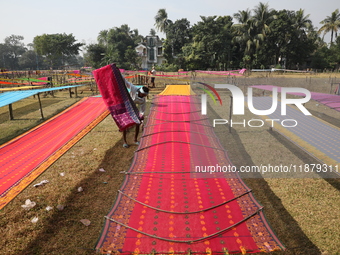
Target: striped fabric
x,y
112,87
27,156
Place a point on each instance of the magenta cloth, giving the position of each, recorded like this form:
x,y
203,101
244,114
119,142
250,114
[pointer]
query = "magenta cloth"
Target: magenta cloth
x,y
112,87
332,101
232,72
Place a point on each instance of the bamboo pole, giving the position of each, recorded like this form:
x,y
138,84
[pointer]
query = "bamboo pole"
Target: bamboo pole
x,y
41,111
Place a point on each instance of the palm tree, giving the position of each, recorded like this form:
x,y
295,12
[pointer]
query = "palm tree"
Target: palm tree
x,y
301,21
331,24
302,24
246,32
162,21
242,16
262,17
102,37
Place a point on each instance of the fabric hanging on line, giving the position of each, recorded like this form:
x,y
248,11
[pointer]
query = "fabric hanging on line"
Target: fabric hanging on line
x,y
112,87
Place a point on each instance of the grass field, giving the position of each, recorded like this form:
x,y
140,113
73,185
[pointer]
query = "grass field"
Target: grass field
x,y
303,212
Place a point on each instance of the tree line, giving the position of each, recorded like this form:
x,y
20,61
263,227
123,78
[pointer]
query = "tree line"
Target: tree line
x,y
260,38
48,51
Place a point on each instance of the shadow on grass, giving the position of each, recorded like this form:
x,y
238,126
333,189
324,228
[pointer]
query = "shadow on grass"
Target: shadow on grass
x,y
63,233
283,224
332,178
325,117
24,110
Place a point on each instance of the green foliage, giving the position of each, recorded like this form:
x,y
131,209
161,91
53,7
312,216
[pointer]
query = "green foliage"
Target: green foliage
x,y
132,58
116,45
178,35
211,45
162,21
29,59
11,51
251,33
94,55
331,24
321,58
166,67
56,46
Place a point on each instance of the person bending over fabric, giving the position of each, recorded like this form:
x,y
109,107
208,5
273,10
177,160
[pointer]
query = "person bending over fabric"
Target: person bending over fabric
x,y
138,96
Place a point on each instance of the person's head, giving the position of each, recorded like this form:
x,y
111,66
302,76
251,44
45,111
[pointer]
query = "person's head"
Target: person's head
x,y
143,91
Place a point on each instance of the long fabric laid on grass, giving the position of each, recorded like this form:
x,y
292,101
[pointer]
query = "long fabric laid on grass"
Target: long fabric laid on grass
x,y
24,158
177,90
170,203
116,96
318,138
332,101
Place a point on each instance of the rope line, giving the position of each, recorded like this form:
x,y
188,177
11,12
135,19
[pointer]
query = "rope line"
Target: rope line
x,y
177,112
182,120
124,172
203,210
154,172
165,122
188,241
146,147
177,102
159,132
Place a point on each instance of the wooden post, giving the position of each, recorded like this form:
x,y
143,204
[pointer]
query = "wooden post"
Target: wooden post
x,y
69,89
330,92
10,112
76,91
230,112
41,111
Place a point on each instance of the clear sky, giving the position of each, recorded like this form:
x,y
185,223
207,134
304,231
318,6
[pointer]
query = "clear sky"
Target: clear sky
x,y
85,19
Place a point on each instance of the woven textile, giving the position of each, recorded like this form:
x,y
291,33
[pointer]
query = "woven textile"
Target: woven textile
x,y
112,87
24,158
177,90
332,101
166,205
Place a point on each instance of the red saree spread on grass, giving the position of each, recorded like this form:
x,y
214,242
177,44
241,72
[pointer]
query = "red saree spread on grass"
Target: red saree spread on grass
x,y
24,158
166,206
